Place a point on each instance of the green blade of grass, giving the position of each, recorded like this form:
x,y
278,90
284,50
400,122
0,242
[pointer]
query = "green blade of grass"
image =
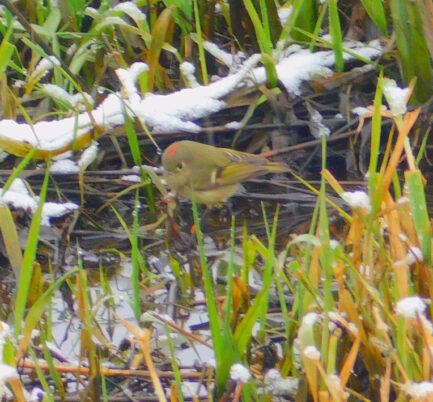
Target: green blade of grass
x,y
375,178
418,207
136,257
263,39
376,12
6,51
182,13
159,32
412,46
200,44
306,20
243,333
25,276
11,239
137,260
326,262
76,9
41,376
271,21
174,365
135,150
18,170
336,36
229,275
222,372
319,21
269,264
306,293
54,374
297,6
37,310
264,42
375,138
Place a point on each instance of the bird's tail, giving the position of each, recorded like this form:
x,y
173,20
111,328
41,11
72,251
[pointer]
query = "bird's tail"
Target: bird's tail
x,y
276,167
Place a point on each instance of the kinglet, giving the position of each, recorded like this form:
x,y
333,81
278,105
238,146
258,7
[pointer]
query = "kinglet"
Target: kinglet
x,y
214,174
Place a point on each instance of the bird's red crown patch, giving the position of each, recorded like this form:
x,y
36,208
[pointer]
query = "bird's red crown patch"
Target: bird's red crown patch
x,y
172,149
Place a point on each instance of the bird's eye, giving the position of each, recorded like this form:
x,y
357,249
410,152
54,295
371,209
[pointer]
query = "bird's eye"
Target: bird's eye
x,y
180,165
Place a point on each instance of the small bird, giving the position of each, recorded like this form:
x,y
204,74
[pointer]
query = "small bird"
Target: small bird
x,y
214,174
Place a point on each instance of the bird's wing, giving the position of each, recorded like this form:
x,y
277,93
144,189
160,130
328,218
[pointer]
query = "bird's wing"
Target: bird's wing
x,y
243,157
241,166
236,173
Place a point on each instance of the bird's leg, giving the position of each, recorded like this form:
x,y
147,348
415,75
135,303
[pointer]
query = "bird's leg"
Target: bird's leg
x,y
230,207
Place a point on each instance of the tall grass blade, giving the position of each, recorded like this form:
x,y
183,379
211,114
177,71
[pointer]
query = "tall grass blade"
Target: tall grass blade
x,y
230,274
376,12
243,332
159,33
297,6
11,239
200,44
25,276
6,51
41,376
18,170
174,365
264,42
87,346
336,36
137,259
374,188
136,155
306,20
37,310
412,46
271,21
182,13
222,371
326,265
418,207
269,265
76,9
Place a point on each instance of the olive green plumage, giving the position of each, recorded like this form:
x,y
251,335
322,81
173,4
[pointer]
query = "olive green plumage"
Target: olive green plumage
x,y
213,173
